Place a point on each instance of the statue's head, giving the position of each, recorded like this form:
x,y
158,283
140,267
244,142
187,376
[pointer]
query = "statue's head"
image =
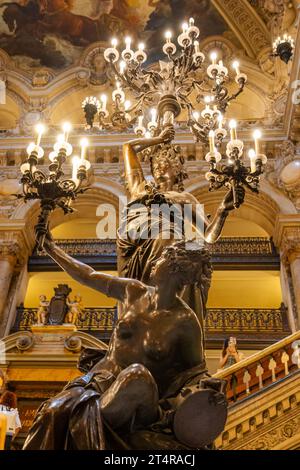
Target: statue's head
x,y
43,298
189,262
99,63
167,166
105,6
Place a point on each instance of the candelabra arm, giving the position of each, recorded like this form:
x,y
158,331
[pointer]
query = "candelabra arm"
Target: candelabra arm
x,y
125,79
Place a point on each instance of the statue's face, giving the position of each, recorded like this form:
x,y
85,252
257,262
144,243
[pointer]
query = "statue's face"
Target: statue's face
x,y
164,175
99,63
42,298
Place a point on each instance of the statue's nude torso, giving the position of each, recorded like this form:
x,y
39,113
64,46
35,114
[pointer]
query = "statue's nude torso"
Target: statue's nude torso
x,y
165,341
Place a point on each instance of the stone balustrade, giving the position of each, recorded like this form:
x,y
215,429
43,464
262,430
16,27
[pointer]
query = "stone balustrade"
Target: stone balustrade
x,y
269,366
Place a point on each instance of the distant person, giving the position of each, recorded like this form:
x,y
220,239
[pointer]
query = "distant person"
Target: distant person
x,y
8,407
230,354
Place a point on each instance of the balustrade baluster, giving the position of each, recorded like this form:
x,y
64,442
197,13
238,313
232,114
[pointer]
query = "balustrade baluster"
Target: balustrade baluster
x,y
259,373
285,360
272,367
246,381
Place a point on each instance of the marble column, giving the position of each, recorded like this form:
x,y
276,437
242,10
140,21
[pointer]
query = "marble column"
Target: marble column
x,y
16,242
7,264
287,239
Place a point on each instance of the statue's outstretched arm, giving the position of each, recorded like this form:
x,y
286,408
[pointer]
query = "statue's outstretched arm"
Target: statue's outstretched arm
x,y
214,229
113,286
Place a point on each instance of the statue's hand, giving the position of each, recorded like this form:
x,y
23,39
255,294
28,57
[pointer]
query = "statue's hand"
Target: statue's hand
x,y
228,202
168,134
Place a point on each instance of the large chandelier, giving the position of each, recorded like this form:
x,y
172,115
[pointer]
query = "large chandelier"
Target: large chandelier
x,y
180,82
160,96
51,188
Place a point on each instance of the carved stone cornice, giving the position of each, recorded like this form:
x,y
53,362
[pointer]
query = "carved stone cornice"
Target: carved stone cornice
x,y
287,236
14,242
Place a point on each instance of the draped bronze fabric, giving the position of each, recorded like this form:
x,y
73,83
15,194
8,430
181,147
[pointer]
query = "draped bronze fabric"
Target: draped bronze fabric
x,y
137,251
73,420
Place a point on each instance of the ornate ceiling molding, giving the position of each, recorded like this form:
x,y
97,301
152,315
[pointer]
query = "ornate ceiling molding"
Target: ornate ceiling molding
x,y
246,24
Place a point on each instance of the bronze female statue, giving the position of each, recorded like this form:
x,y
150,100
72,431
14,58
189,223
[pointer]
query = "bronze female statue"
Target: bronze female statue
x,y
137,249
151,389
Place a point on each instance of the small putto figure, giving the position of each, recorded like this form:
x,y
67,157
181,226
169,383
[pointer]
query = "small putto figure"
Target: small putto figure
x,y
75,308
42,312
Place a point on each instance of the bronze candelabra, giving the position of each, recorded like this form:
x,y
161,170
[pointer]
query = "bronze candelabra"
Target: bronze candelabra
x,y
51,188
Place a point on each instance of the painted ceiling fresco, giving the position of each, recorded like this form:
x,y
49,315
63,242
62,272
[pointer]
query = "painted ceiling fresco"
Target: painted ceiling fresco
x,y
54,33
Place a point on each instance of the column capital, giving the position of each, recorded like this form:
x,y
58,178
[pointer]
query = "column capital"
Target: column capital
x,y
15,243
287,236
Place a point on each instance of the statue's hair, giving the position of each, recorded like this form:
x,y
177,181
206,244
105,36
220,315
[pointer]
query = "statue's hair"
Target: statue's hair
x,y
171,154
191,262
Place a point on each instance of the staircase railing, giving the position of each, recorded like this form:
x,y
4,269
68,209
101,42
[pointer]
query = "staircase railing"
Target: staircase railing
x,y
253,374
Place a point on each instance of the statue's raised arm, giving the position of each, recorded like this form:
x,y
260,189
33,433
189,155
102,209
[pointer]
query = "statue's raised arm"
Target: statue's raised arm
x,y
133,170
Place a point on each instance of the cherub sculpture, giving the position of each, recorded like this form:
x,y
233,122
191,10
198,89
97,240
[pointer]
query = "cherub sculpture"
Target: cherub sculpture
x,y
75,308
42,312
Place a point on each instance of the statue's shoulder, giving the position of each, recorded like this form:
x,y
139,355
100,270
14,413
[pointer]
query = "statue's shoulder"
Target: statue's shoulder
x,y
135,289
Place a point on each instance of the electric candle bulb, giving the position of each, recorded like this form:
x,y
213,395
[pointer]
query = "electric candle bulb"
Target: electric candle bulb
x,y
141,46
168,36
114,42
83,144
257,136
128,42
122,67
221,63
191,22
207,99
220,120
66,128
196,44
236,66
40,129
196,115
213,57
140,121
184,27
153,115
252,156
211,141
104,102
232,126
